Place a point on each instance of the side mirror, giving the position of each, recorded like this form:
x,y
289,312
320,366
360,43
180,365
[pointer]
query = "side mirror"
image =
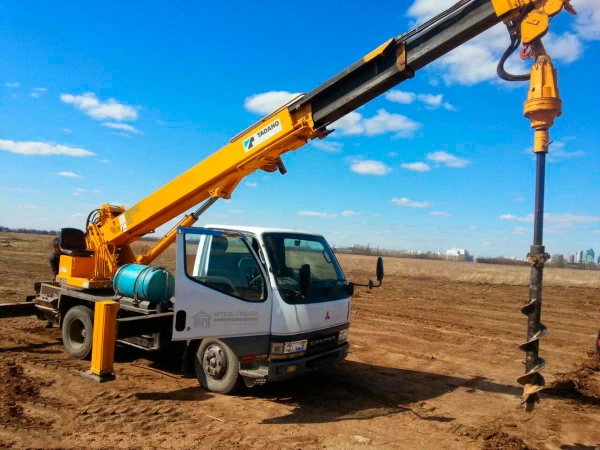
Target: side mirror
x,y
304,274
379,269
349,288
370,284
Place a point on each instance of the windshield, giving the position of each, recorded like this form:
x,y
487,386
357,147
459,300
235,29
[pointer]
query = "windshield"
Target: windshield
x,y
288,252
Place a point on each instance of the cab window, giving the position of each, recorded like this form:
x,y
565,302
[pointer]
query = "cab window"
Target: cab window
x,y
226,264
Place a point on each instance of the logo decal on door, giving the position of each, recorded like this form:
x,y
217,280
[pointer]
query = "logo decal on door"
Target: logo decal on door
x,y
327,317
202,320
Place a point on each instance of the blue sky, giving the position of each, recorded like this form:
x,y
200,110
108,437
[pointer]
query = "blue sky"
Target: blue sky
x,y
106,103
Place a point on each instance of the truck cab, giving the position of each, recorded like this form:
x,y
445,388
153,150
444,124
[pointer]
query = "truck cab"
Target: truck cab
x,y
258,304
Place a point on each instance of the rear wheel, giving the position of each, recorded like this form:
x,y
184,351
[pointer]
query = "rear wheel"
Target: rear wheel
x,y
217,367
78,331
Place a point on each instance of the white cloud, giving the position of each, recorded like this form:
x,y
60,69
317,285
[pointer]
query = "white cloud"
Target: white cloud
x,y
67,130
447,159
566,47
431,101
397,96
348,213
41,148
93,107
369,167
521,230
78,215
268,102
96,191
68,175
558,151
19,190
121,126
315,214
409,203
416,167
587,21
439,214
450,107
37,92
393,154
350,124
12,85
20,206
514,218
78,191
554,221
236,211
251,185
328,146
104,161
596,231
518,197
383,122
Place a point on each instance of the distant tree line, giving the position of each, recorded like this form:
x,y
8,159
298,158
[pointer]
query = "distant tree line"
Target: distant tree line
x,y
376,251
503,261
27,231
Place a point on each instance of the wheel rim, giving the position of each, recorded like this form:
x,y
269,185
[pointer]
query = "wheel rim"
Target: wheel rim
x,y
214,362
77,334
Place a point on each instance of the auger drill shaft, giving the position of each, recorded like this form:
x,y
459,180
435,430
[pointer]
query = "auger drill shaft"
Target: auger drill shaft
x,y
542,107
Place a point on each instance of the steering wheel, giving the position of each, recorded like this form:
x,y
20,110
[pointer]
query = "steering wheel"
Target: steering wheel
x,y
256,283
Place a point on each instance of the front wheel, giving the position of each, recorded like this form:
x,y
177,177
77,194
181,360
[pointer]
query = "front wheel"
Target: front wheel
x,y
217,367
78,331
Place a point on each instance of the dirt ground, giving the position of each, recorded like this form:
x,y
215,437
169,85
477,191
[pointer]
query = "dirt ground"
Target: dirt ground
x,y
433,364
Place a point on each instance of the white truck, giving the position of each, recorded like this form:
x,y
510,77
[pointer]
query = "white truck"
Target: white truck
x,y
259,304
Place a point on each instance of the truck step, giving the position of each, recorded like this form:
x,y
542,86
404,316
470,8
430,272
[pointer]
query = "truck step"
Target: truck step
x,y
261,372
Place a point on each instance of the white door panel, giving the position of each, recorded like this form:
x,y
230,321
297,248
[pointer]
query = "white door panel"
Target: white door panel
x,y
204,311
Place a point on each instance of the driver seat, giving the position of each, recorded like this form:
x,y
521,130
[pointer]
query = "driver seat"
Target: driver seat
x,y
72,242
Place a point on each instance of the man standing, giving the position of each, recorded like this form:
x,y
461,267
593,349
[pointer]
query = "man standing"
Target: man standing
x,y
54,256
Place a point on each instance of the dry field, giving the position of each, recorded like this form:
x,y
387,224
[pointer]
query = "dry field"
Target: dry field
x,y
433,364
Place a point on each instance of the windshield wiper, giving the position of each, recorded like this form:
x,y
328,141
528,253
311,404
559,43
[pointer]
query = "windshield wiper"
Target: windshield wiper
x,y
327,283
289,292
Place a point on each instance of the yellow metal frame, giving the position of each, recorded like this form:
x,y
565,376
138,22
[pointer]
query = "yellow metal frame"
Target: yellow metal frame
x,y
105,335
534,24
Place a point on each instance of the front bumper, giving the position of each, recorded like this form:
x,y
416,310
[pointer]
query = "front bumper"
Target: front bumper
x,y
279,370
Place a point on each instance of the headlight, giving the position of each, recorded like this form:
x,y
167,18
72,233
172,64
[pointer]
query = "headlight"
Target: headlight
x,y
294,347
343,335
289,349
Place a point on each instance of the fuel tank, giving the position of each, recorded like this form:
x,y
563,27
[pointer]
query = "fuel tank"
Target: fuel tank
x,y
153,284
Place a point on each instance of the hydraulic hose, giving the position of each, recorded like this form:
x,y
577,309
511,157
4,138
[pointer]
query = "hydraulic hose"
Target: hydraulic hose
x,y
515,41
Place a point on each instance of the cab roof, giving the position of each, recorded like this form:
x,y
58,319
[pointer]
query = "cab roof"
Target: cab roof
x,y
258,230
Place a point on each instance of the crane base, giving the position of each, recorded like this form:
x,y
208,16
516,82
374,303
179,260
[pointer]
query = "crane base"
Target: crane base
x,y
98,378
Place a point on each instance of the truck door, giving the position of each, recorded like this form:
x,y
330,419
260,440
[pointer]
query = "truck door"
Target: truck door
x,y
221,289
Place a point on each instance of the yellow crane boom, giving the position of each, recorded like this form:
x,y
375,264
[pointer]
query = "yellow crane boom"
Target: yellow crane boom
x,y
111,229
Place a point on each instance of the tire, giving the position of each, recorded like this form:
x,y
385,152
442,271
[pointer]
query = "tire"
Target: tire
x,y
217,367
78,331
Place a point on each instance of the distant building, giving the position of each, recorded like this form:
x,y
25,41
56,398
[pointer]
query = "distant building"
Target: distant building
x,y
558,259
459,254
571,259
585,257
591,256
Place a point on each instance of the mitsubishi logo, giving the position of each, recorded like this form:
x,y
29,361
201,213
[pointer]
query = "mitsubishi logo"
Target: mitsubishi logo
x,y
327,317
